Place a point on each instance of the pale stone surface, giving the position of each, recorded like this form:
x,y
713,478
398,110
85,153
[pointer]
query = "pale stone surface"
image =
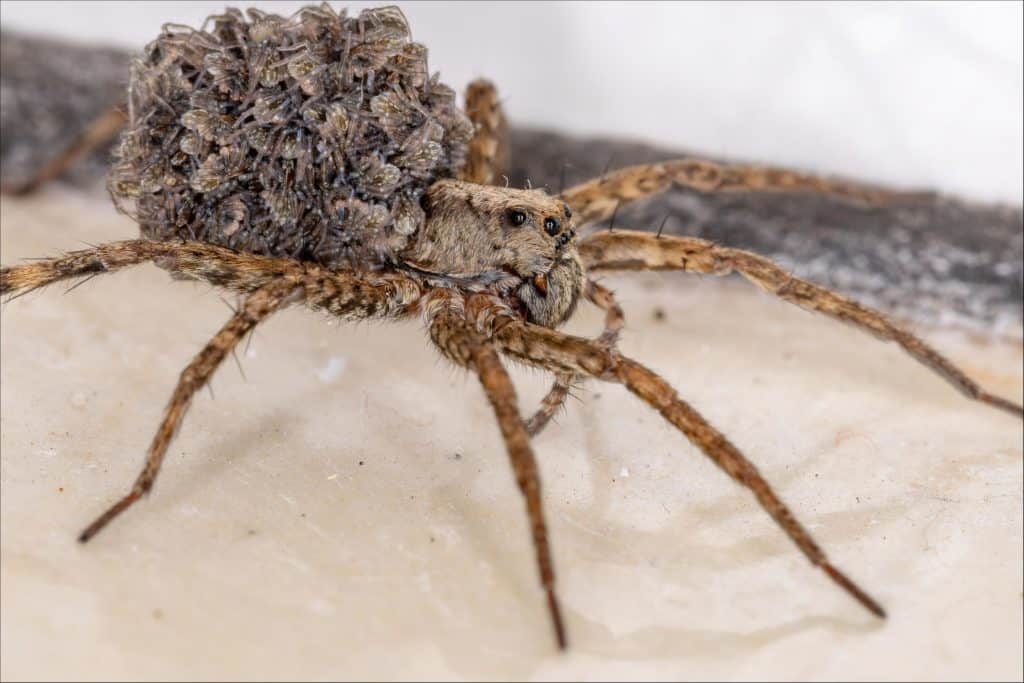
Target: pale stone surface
x,y
347,511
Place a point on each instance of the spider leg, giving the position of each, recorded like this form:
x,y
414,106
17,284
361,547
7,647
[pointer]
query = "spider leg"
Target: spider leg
x,y
256,307
488,150
268,283
630,250
344,294
597,199
217,265
550,404
101,131
559,352
614,318
559,392
465,346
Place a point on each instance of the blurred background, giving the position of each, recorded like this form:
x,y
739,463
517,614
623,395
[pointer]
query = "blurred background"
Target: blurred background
x,y
914,95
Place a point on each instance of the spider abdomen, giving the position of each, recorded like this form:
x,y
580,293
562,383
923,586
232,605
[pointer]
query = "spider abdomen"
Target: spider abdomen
x,y
312,137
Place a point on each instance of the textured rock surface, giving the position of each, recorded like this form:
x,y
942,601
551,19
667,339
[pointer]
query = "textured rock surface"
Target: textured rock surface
x,y
941,262
346,509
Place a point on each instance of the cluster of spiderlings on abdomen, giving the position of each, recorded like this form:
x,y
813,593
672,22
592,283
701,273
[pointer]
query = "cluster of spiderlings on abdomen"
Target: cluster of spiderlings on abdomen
x,y
311,137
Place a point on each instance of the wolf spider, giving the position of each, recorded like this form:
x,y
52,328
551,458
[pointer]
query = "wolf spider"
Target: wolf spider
x,y
494,271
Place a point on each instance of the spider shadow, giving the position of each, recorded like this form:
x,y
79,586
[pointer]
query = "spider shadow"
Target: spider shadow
x,y
216,458
702,643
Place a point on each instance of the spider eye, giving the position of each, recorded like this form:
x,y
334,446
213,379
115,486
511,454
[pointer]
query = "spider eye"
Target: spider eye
x,y
551,226
516,217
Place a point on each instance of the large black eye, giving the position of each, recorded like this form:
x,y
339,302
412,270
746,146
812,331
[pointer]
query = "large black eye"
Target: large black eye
x,y
551,226
516,217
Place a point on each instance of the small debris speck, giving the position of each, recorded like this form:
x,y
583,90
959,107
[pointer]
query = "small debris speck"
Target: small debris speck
x,y
360,463
624,472
659,314
332,477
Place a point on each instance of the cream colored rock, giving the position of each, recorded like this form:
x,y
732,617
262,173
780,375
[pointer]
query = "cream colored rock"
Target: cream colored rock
x,y
347,509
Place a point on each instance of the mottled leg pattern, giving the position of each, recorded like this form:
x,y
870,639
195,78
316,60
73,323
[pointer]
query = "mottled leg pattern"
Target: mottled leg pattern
x,y
256,307
341,293
268,284
561,353
629,250
100,132
614,319
597,199
216,265
550,404
463,344
559,392
488,150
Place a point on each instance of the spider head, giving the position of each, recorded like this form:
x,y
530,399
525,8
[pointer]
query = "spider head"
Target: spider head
x,y
525,236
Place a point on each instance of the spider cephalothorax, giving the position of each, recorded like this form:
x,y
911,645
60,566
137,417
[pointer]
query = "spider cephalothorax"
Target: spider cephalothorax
x,y
475,232
311,161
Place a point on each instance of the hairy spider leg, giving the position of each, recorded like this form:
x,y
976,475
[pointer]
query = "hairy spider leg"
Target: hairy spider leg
x,y
488,150
597,199
614,320
459,340
254,309
559,352
269,284
631,250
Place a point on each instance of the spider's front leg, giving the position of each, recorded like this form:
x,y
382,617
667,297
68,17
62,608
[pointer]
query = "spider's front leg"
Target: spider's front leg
x,y
488,150
631,250
597,199
462,343
562,353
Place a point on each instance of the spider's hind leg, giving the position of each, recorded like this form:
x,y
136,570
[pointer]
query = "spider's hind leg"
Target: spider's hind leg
x,y
254,309
630,250
488,150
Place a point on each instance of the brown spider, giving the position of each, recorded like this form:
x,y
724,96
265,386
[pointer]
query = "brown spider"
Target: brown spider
x,y
312,160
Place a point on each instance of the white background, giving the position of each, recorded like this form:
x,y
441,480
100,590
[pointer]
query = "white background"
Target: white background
x,y
911,94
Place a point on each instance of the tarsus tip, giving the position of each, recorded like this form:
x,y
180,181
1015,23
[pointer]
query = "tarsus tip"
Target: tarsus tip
x,y
854,590
1003,404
